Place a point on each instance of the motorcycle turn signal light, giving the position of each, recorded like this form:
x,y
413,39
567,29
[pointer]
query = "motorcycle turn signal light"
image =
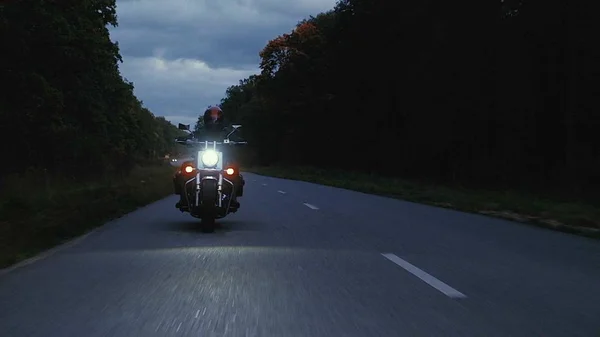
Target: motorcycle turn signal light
x,y
230,171
188,169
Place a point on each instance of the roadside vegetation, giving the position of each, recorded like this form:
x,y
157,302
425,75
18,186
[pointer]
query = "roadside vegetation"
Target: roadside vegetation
x,y
37,212
78,148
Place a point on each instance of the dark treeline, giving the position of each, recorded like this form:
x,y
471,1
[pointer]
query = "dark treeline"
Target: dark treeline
x,y
495,94
64,106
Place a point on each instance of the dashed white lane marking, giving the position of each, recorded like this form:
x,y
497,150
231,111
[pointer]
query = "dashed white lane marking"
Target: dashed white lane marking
x,y
432,281
311,206
264,184
282,192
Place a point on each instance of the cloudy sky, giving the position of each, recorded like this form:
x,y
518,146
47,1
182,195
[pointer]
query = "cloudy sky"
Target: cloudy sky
x,y
183,54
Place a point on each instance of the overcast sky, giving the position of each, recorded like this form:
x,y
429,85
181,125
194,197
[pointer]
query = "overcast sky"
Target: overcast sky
x,y
183,54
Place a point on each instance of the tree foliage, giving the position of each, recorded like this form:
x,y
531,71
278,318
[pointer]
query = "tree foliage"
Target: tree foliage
x,y
473,92
64,105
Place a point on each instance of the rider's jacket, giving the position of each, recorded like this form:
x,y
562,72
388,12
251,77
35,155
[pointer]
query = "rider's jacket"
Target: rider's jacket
x,y
212,134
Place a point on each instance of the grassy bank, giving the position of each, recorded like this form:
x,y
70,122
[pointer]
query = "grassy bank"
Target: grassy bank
x,y
37,215
573,217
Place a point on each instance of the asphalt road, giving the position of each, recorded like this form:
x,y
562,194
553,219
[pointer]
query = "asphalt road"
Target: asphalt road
x,y
300,259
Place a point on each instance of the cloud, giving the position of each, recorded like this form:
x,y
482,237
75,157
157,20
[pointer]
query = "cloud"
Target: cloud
x,y
180,88
183,54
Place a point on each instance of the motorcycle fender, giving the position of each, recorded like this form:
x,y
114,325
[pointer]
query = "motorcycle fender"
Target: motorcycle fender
x,y
209,191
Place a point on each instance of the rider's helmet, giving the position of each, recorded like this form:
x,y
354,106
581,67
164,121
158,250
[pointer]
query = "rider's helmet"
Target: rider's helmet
x,y
213,118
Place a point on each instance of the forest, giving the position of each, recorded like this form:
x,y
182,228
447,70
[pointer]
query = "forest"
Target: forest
x,y
78,148
64,106
495,95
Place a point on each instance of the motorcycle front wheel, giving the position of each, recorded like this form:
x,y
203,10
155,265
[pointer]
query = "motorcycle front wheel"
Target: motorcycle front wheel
x,y
209,198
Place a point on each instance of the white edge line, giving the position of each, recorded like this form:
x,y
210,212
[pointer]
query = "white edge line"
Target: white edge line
x,y
282,192
432,281
311,206
45,254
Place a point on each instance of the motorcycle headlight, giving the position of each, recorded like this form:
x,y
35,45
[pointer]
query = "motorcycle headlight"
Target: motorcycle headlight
x,y
210,158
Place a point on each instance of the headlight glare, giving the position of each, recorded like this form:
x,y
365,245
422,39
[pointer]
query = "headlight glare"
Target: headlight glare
x,y
210,158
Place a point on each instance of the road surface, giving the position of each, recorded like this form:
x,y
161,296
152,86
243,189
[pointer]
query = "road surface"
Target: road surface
x,y
301,259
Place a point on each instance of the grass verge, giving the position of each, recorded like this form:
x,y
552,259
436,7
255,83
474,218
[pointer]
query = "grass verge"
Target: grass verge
x,y
571,217
36,216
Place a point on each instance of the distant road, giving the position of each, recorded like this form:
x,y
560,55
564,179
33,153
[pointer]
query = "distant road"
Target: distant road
x,y
300,259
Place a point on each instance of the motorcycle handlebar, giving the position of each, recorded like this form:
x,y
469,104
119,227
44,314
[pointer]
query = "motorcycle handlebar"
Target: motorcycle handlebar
x,y
224,143
218,143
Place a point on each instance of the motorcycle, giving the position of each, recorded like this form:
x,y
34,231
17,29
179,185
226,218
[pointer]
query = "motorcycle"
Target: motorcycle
x,y
209,183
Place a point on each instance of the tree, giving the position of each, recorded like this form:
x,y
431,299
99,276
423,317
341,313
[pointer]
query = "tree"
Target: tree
x,y
508,103
64,99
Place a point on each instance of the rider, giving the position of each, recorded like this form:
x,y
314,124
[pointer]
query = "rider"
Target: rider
x,y
214,130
